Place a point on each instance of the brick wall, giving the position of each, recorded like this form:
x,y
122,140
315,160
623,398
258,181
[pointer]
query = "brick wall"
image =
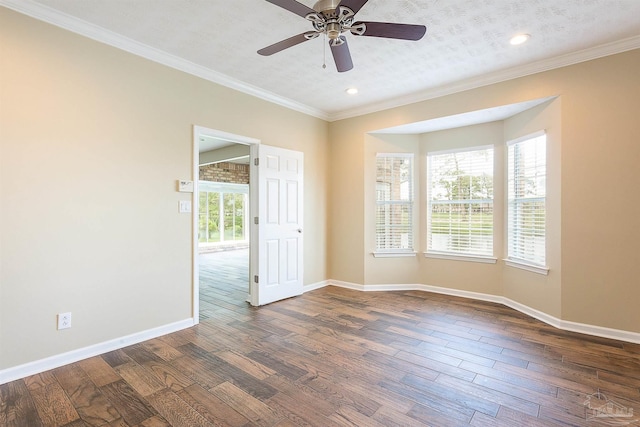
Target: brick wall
x,y
225,172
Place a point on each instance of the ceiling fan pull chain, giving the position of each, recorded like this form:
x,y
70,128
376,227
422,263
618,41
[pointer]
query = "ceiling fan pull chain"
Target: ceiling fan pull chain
x,y
324,53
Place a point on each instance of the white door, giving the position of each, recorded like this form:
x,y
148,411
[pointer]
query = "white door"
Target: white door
x,y
278,260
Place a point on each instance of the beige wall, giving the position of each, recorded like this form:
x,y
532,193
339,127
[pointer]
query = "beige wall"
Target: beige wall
x,y
594,140
600,182
346,241
92,141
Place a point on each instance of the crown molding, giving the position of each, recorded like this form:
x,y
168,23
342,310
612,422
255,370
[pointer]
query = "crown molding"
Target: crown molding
x,y
102,35
70,23
496,77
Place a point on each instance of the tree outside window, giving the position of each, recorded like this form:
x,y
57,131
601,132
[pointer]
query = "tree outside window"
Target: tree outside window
x,y
460,202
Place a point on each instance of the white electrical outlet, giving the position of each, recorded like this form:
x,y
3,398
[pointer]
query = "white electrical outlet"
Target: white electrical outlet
x,y
64,320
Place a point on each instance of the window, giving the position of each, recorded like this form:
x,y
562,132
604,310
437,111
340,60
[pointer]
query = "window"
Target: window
x,y
394,199
526,182
460,202
222,212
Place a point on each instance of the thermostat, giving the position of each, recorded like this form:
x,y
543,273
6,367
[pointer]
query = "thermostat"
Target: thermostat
x,y
185,186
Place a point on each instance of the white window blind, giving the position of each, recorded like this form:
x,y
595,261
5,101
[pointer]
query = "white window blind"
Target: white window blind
x,y
394,200
460,202
526,176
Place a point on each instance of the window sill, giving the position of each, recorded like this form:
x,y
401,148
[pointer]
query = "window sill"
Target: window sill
x,y
528,267
399,254
456,257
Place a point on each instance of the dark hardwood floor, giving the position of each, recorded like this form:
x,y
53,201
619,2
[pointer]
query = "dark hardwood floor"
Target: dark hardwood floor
x,y
224,281
337,357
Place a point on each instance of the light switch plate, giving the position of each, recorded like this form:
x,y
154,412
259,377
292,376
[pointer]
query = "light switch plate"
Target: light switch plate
x,y
185,186
185,206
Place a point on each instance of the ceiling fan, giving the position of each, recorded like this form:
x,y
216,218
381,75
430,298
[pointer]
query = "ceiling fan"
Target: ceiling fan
x,y
335,17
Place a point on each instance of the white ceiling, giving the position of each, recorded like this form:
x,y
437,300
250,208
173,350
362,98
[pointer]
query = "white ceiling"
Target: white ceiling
x,y
209,143
466,45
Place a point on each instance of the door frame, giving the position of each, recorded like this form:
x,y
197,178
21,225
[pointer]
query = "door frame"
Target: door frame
x,y
253,205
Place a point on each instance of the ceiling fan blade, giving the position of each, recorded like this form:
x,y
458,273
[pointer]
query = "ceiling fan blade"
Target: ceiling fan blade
x,y
284,44
392,31
341,55
354,5
293,6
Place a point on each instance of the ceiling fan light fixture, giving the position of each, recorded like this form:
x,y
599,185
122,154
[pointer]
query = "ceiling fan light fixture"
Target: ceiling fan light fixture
x,y
333,30
519,39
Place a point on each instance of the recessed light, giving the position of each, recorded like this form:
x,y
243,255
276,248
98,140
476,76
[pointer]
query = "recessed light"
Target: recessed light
x,y
519,39
352,91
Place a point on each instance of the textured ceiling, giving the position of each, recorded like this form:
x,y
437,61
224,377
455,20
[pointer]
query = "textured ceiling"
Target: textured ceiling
x,y
466,45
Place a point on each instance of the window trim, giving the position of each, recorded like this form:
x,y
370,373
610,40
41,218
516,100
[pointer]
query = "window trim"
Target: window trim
x,y
396,252
523,265
513,261
470,257
461,257
532,135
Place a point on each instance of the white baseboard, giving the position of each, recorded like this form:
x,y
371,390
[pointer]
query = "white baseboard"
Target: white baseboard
x,y
314,286
598,331
38,366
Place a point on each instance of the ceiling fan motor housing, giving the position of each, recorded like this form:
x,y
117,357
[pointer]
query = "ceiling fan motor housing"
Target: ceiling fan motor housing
x,y
326,6
331,19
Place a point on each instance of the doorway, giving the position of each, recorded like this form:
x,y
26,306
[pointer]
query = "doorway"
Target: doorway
x,y
221,222
276,211
223,232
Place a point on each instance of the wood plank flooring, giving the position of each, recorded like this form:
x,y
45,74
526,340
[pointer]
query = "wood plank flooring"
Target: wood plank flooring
x,y
337,357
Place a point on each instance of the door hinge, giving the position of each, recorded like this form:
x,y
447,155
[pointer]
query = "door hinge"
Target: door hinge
x,y
255,278
256,161
255,220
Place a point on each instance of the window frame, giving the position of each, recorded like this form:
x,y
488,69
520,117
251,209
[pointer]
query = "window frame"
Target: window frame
x,y
223,189
453,255
397,252
512,259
